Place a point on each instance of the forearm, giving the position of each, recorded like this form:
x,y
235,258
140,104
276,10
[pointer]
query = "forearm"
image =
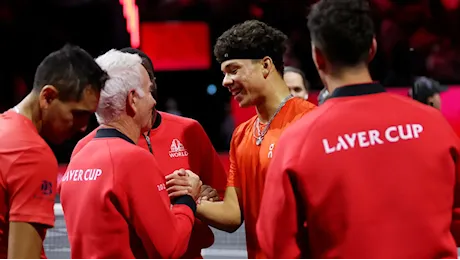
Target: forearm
x,y
220,215
24,241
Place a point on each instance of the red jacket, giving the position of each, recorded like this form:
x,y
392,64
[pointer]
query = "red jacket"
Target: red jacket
x,y
116,205
367,175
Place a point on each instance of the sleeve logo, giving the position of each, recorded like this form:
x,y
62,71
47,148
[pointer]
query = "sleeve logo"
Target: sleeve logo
x,y
46,188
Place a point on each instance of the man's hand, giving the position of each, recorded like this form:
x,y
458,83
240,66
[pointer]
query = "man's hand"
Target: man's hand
x,y
177,183
195,184
183,182
208,194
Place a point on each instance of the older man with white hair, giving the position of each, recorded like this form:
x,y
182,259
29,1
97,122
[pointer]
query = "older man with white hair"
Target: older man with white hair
x,y
114,196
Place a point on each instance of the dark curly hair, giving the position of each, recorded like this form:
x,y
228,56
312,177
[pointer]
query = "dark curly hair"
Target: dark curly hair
x,y
252,40
342,29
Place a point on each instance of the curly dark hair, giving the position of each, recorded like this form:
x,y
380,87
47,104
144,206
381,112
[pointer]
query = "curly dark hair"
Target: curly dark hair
x,y
70,70
252,40
342,29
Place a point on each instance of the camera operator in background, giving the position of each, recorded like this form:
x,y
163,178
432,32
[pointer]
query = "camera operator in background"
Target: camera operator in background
x,y
427,91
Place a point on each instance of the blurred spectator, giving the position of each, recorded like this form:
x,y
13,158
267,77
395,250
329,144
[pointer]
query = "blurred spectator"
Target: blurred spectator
x,y
427,91
296,81
172,108
443,62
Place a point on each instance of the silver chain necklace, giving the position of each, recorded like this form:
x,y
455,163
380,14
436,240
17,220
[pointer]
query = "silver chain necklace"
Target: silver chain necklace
x,y
261,134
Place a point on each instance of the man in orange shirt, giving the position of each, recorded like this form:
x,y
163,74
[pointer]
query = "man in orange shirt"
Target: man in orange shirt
x,y
65,93
251,57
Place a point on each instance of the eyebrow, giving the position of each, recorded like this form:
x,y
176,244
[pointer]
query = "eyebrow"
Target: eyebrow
x,y
233,64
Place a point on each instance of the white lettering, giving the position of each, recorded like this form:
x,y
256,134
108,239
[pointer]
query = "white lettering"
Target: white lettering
x,y
351,139
80,175
362,139
417,129
178,154
342,144
161,187
388,134
403,135
270,150
327,148
372,137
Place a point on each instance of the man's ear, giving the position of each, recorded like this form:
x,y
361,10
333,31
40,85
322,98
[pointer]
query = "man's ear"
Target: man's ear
x,y
131,100
47,95
372,50
267,66
318,58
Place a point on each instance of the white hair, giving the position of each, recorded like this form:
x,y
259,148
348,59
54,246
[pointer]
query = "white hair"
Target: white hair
x,y
124,76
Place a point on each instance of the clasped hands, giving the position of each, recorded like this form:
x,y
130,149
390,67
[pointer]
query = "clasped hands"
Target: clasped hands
x,y
185,182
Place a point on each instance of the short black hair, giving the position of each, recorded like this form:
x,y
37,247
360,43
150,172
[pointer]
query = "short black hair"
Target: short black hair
x,y
146,61
342,29
252,40
70,70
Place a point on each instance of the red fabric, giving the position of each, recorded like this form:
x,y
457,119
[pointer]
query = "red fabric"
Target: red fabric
x,y
116,205
181,142
328,182
28,171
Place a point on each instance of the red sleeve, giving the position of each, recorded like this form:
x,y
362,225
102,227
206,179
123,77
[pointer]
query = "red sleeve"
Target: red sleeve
x,y
233,177
163,229
455,226
212,171
277,224
31,183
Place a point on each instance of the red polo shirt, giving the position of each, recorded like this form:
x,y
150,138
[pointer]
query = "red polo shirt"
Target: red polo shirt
x,y
368,174
116,205
28,172
178,142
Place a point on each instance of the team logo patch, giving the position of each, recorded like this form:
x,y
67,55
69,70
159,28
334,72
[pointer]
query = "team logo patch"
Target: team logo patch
x,y
177,149
46,188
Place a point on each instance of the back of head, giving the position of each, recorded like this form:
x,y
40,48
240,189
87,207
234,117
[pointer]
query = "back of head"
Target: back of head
x,y
70,70
426,91
125,76
343,30
146,61
252,40
148,65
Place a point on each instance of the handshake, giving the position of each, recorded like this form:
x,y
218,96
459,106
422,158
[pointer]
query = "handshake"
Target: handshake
x,y
185,182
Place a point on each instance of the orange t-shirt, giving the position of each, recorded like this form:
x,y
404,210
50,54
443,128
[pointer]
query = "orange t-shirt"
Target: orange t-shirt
x,y
249,164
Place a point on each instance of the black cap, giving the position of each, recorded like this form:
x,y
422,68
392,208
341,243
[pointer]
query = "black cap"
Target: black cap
x,y
424,87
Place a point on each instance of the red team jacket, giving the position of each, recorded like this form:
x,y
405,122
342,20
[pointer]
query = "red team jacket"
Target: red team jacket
x,y
28,171
178,142
368,174
116,205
